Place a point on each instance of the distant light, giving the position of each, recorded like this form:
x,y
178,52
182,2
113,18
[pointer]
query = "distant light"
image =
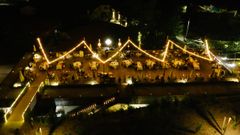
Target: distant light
x,y
95,55
231,65
37,57
232,79
92,82
118,107
224,58
27,68
59,115
182,80
108,42
54,83
99,43
119,42
5,4
17,84
136,106
184,9
129,81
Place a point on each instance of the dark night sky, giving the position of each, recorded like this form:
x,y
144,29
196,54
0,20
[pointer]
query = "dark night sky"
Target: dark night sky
x,y
21,22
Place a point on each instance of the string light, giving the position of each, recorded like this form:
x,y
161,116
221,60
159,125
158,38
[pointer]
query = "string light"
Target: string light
x,y
145,52
93,53
207,49
209,53
42,50
59,58
166,51
115,54
189,52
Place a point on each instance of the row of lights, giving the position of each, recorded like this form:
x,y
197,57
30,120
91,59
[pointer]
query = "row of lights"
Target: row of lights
x,y
93,106
108,101
192,53
209,53
87,109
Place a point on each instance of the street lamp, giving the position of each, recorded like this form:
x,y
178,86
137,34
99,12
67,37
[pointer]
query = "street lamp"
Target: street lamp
x,y
119,42
99,43
99,46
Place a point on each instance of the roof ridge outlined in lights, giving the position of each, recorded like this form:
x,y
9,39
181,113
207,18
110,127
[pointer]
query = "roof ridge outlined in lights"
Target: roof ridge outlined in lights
x,y
209,58
210,55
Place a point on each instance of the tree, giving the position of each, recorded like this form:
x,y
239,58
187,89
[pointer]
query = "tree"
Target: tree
x,y
156,19
1,117
102,13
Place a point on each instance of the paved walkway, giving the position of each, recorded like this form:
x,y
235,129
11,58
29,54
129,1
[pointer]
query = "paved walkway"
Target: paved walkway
x,y
16,118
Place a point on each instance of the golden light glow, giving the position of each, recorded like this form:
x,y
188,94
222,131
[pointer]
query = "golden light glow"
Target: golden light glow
x,y
93,53
115,54
169,42
119,42
42,50
166,51
151,56
89,108
189,52
207,49
108,101
13,104
59,58
99,43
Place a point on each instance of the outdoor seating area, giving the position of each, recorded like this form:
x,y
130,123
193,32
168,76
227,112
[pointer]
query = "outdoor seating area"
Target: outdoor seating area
x,y
130,66
81,67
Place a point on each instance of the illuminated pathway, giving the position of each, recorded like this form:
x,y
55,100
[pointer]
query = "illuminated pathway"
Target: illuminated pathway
x,y
16,118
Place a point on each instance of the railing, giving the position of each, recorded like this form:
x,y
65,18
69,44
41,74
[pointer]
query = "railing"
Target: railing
x,y
33,97
93,107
